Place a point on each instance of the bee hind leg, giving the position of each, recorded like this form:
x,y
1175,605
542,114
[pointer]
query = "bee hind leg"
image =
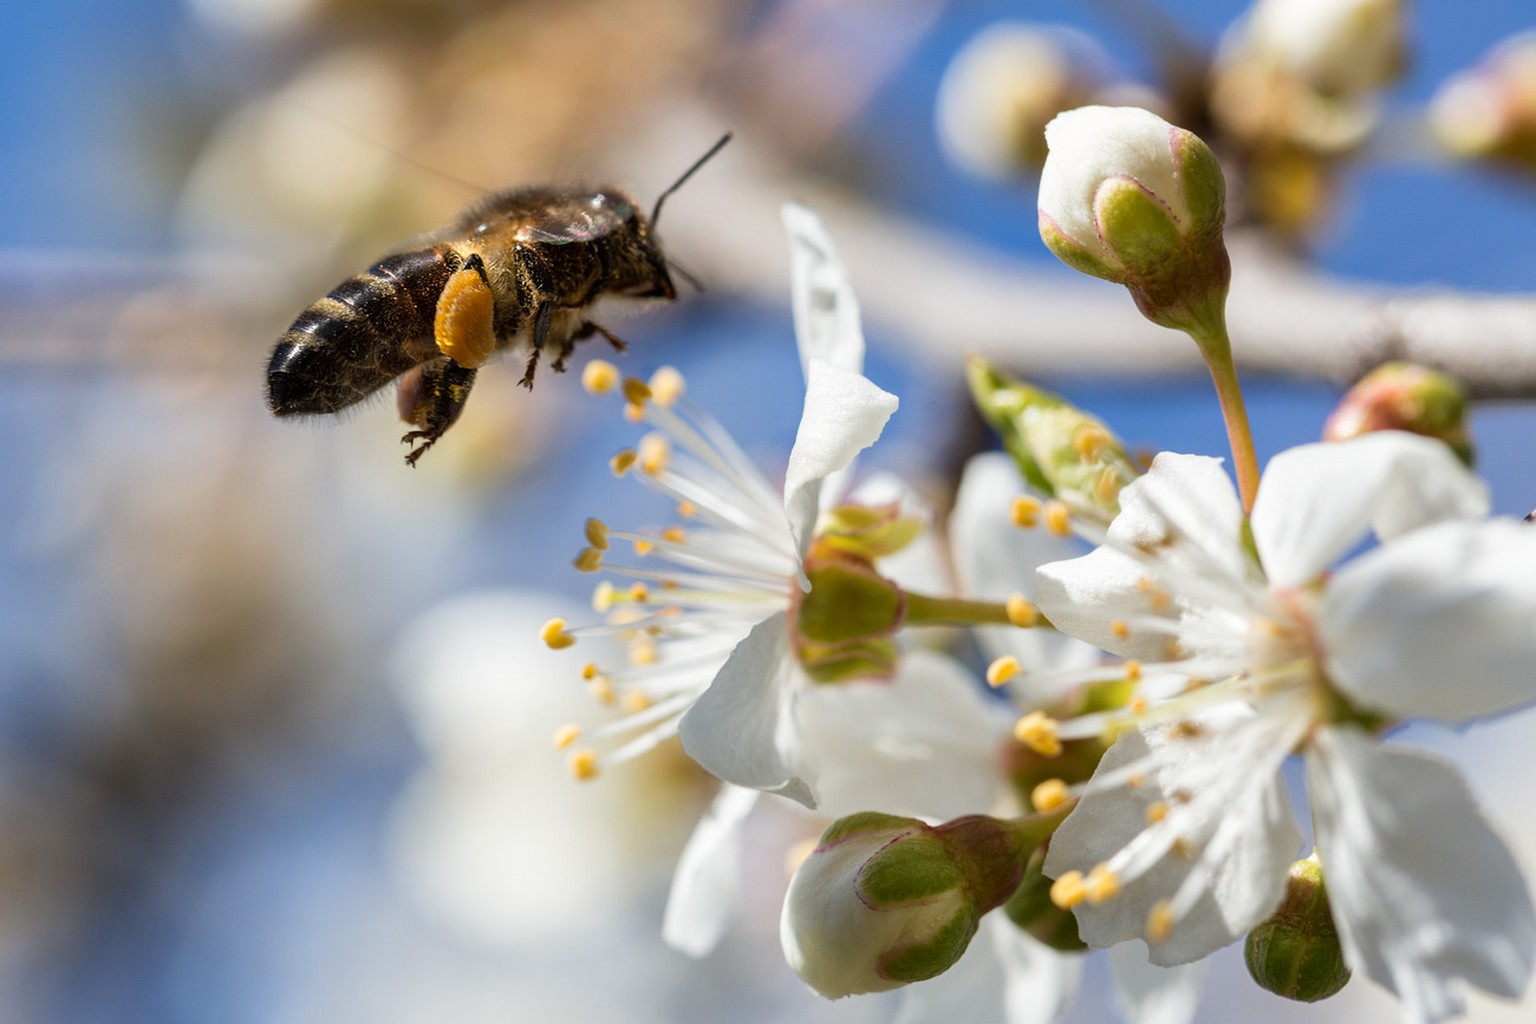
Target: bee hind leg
x,y
430,398
541,323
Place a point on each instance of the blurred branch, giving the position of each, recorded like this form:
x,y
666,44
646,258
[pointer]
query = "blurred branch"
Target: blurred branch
x,y
941,295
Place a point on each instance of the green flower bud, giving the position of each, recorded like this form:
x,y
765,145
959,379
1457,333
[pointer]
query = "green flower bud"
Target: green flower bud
x,y
1062,451
884,901
1403,396
1296,953
1128,197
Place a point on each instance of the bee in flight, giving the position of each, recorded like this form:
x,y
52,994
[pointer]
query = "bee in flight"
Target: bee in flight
x,y
519,264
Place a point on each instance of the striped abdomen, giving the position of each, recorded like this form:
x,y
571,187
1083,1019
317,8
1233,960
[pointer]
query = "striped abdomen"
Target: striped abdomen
x,y
370,329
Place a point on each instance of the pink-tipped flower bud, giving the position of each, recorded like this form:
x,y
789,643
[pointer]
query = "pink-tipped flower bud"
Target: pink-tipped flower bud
x,y
884,901
1403,396
1128,197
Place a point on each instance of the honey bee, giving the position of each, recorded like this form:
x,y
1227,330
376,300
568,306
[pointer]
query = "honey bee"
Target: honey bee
x,y
524,263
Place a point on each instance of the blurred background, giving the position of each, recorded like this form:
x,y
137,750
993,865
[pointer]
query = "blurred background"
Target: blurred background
x,y
274,730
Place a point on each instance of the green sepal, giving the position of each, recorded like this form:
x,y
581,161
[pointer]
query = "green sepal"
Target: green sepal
x,y
1136,226
1074,255
931,958
1031,910
868,531
915,869
1205,188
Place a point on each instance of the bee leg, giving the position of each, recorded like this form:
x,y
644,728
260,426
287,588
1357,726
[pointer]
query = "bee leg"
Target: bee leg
x,y
588,328
431,398
541,320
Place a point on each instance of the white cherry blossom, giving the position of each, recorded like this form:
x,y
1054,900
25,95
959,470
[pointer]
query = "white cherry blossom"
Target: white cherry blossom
x,y
1248,647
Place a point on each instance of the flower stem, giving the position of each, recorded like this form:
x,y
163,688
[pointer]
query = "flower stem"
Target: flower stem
x,y
1216,346
923,610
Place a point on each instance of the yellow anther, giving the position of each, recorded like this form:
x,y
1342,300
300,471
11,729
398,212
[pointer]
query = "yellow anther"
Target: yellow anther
x,y
1049,795
603,597
642,652
1106,486
601,688
1069,890
1003,669
588,560
674,534
1155,595
1119,628
636,701
590,671
639,593
1184,729
1132,670
1058,518
1138,705
623,462
597,534
1183,848
666,386
1088,441
655,453
1160,921
1157,812
1022,611
1025,512
1040,733
636,391
1102,885
633,413
644,547
566,735
555,636
687,509
599,377
1136,780
583,764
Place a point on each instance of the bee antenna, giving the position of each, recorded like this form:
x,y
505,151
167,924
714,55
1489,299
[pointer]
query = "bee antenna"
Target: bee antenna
x,y
682,273
700,162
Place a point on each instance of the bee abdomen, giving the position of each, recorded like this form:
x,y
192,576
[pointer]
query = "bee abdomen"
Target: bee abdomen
x,y
370,329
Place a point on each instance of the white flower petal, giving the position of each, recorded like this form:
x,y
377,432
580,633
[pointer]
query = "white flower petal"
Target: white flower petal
x,y
995,559
1439,623
1005,976
1316,501
707,882
923,744
1183,512
1148,994
844,414
826,313
1424,893
1249,805
741,729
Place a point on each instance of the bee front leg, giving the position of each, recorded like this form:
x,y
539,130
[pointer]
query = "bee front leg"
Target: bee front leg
x,y
588,328
431,397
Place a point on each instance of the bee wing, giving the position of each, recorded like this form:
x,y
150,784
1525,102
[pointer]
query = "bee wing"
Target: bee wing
x,y
565,223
